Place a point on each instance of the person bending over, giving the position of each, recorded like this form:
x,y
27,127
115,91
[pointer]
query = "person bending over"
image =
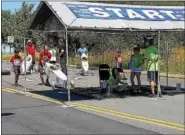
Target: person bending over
x,y
44,57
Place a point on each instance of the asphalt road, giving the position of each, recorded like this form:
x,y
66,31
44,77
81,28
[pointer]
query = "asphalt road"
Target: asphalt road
x,y
94,80
24,115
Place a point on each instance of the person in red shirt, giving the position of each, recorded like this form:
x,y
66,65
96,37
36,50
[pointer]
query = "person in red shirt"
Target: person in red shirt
x,y
44,57
117,71
30,49
118,59
16,61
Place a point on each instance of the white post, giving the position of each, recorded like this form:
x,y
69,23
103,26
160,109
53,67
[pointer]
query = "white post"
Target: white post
x,y
25,64
159,87
67,57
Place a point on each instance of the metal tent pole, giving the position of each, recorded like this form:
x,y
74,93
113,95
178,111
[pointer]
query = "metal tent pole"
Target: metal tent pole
x,y
67,57
167,66
184,64
103,48
25,64
158,86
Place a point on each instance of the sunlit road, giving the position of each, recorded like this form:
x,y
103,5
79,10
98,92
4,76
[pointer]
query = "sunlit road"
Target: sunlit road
x,y
24,115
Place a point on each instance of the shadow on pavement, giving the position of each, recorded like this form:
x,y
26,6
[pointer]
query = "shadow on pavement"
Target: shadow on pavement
x,y
7,114
61,95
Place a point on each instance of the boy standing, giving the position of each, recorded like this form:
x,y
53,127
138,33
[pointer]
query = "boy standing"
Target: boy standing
x,y
118,60
30,49
136,67
16,61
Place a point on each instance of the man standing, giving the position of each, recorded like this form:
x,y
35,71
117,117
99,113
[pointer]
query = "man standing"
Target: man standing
x,y
53,56
82,50
63,60
151,58
30,49
63,57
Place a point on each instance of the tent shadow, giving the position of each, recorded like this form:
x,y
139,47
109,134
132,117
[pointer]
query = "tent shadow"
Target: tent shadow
x,y
61,95
166,90
89,93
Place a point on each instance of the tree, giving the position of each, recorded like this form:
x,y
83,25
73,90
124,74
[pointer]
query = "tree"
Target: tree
x,y
17,23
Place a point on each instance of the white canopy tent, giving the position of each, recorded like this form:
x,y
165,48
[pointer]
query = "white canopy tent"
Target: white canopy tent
x,y
106,16
115,17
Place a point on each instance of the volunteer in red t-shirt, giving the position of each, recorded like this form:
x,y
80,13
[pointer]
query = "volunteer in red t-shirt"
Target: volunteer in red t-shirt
x,y
44,57
118,60
16,61
30,49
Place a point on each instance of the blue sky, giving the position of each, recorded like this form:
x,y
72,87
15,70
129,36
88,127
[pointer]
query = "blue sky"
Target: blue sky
x,y
15,5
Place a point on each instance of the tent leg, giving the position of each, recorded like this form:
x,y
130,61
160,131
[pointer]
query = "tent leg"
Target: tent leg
x,y
167,66
184,64
67,57
25,65
159,93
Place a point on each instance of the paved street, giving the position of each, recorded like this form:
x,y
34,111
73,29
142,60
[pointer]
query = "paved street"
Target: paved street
x,y
171,109
24,115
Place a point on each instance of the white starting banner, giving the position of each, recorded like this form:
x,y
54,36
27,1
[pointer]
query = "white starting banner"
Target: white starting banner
x,y
127,13
10,39
105,16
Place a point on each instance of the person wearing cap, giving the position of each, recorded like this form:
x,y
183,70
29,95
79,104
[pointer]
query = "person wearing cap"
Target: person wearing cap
x,y
16,61
30,49
82,50
151,58
44,57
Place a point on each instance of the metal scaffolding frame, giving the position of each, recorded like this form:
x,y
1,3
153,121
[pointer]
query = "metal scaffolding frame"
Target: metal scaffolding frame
x,y
68,29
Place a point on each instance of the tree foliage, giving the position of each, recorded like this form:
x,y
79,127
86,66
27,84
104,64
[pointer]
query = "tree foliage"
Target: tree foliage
x,y
17,23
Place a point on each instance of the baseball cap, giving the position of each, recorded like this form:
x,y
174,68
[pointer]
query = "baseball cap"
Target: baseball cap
x,y
29,41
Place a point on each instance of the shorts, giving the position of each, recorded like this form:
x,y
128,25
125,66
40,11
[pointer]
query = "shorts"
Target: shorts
x,y
17,70
33,61
118,65
137,69
153,76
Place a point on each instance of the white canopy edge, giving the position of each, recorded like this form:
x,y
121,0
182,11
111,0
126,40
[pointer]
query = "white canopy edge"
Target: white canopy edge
x,y
69,19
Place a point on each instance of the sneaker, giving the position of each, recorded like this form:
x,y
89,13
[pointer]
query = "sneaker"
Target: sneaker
x,y
15,85
152,95
160,96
